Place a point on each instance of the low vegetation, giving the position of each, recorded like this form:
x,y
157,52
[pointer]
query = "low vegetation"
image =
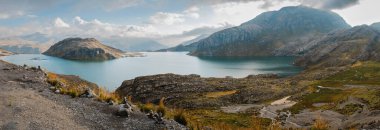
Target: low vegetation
x,y
219,94
320,124
350,109
76,87
360,81
361,73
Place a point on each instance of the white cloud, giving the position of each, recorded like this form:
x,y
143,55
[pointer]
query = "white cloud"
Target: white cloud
x,y
167,18
10,14
192,12
58,22
237,13
4,16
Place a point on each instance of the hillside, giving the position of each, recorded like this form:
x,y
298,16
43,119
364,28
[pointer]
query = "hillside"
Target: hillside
x,y
360,43
285,32
83,49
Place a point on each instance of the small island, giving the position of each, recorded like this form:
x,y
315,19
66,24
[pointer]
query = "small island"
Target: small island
x,y
83,49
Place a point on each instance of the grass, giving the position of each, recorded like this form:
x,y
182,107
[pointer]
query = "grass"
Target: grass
x,y
320,124
364,74
76,88
361,73
198,118
350,109
323,96
147,107
161,107
219,94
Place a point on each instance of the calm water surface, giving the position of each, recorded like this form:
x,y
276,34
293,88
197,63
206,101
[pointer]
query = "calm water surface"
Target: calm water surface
x,y
111,74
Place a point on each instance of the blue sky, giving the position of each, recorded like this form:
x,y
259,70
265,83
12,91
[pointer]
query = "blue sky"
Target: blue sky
x,y
166,21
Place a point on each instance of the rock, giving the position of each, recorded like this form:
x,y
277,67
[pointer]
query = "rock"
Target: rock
x,y
111,102
83,49
57,91
124,110
153,88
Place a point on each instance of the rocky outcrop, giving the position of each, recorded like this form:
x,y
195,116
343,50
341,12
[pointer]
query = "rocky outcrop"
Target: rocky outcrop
x,y
83,49
284,32
190,91
153,88
344,47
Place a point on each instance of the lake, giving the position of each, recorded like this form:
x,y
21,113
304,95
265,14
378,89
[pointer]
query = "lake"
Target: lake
x,y
110,74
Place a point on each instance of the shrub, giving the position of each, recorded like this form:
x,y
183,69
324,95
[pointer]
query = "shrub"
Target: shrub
x,y
52,82
161,107
180,118
320,124
146,107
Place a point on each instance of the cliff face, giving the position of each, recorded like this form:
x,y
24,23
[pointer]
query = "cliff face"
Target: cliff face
x,y
83,49
284,32
360,43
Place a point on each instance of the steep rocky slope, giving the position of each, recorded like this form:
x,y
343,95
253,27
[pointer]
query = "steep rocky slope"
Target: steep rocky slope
x,y
83,49
344,47
284,32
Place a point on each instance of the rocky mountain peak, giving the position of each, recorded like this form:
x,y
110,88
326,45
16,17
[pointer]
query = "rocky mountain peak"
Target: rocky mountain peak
x,y
282,32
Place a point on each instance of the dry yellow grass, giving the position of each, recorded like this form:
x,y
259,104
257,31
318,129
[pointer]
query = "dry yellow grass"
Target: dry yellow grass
x,y
103,94
320,124
219,94
76,89
357,64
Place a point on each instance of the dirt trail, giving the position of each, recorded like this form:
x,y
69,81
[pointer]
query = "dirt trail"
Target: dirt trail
x,y
270,111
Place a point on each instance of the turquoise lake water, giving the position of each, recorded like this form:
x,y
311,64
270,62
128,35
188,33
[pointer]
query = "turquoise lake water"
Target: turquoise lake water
x,y
112,73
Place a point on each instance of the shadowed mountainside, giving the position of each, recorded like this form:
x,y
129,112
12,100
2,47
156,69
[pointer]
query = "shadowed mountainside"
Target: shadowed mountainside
x,y
284,32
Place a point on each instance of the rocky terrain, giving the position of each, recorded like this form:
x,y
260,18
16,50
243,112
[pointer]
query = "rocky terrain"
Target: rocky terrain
x,y
286,32
360,43
339,88
192,91
83,49
27,102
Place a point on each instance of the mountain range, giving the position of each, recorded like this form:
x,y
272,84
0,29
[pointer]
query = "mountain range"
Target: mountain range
x,y
285,32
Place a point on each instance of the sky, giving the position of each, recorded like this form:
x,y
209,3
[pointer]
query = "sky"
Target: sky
x,y
169,22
